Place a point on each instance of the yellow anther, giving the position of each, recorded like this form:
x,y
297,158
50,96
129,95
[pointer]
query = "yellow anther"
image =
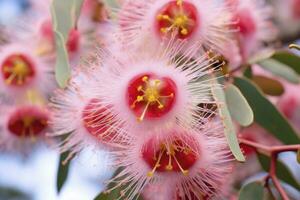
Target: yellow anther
x,y
140,88
185,172
159,17
150,174
164,30
157,82
180,20
139,98
184,31
161,106
179,2
145,78
169,167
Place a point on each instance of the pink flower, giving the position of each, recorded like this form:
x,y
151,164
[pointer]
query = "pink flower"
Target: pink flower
x,y
118,96
254,24
94,10
287,16
37,28
78,117
22,126
289,104
145,23
153,90
21,69
191,164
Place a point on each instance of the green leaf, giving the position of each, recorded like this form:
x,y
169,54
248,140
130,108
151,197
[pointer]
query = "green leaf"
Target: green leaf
x,y
238,106
252,191
66,14
268,85
262,55
282,171
266,114
298,156
13,194
62,68
64,17
229,129
248,72
288,58
280,69
63,171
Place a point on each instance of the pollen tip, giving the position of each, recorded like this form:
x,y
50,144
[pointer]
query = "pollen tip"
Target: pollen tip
x,y
150,174
185,172
169,167
145,78
184,31
139,119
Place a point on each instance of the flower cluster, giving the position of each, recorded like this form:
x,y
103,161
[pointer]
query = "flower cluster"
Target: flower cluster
x,y
147,96
145,93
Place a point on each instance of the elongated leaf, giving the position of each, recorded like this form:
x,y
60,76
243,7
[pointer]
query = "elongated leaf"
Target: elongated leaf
x,y
66,14
238,106
268,85
282,171
252,191
280,69
229,129
289,59
62,172
266,114
248,72
64,17
7,193
298,156
263,55
62,69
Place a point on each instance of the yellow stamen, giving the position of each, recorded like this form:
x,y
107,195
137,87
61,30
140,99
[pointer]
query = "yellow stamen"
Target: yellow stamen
x,y
170,153
157,164
19,72
180,21
150,95
183,171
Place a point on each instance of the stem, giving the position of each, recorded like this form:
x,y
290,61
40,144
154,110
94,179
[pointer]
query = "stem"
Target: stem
x,y
267,150
273,153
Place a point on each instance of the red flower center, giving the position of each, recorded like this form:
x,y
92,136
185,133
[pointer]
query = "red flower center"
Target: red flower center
x,y
28,121
177,16
17,70
245,23
169,157
150,96
98,121
47,34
